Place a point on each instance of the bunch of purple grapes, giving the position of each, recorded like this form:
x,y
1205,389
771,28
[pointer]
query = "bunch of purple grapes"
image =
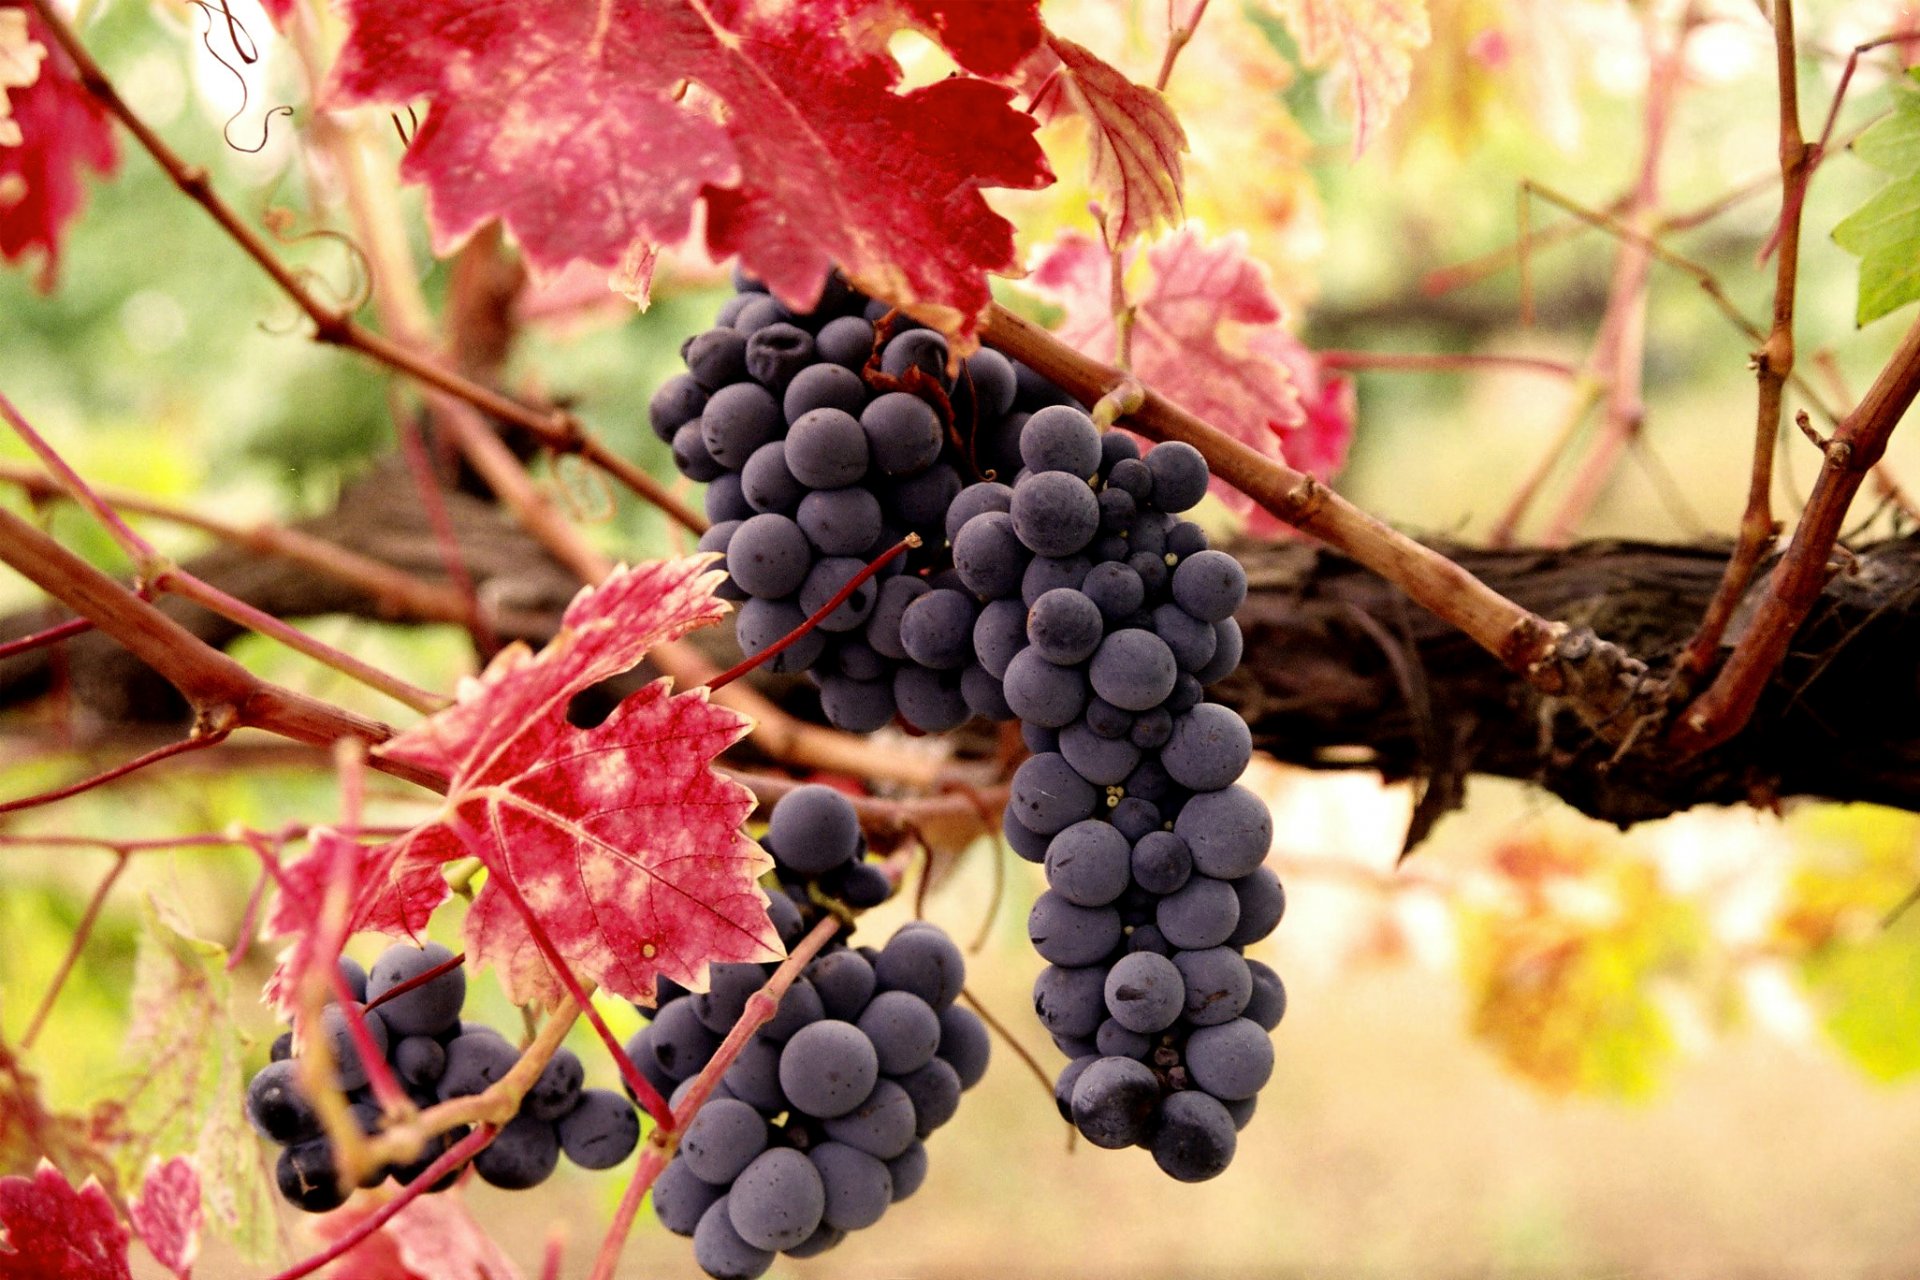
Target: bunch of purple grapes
x,y
1076,598
823,439
435,1056
820,1123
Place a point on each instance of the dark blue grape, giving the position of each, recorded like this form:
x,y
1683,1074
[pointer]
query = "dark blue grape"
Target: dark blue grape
x,y
724,500
904,1029
1117,512
989,556
1105,720
1210,585
828,1069
1068,1000
903,433
1115,590
419,1061
675,403
1072,936
600,1132
937,630
935,1090
1262,903
813,830
761,312
1042,692
754,1076
965,1044
985,696
827,449
1161,862
1048,573
1130,475
991,379
1054,513
1218,984
1268,1003
930,701
691,457
1105,762
1226,653
890,607
845,522
523,1154
1114,1101
1048,796
882,1126
1151,729
847,341
739,419
1134,818
725,1136
680,1197
823,386
921,349
1115,1041
844,981
777,353
1229,832
720,1250
1201,913
1209,747
767,484
923,960
1065,626
826,580
1185,539
1069,1077
769,557
557,1090
999,633
1193,1137
1029,845
909,1170
308,1179
425,1010
1179,475
1061,438
1230,1061
278,1108
729,987
1133,669
716,357
799,1007
764,623
1145,992
858,706
920,502
1192,640
1087,864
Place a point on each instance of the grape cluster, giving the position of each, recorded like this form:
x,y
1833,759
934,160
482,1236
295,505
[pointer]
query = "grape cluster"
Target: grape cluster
x,y
1076,599
821,1121
824,438
435,1056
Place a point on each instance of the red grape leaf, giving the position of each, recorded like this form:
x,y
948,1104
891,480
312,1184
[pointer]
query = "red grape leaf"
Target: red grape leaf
x,y
53,1232
1207,335
1134,139
166,1214
61,128
1375,39
278,11
387,895
620,840
433,1238
575,125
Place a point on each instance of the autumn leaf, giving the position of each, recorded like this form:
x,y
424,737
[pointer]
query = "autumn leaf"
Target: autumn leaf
x,y
1884,233
1207,335
620,841
1561,972
54,1232
432,1238
1134,139
166,1214
1373,40
59,129
188,1079
587,128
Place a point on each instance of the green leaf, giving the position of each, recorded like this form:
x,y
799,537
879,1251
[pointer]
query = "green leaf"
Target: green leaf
x,y
185,1053
1884,233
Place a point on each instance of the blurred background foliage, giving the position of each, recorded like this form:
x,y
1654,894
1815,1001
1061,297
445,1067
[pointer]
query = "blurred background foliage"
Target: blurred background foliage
x,y
1540,1047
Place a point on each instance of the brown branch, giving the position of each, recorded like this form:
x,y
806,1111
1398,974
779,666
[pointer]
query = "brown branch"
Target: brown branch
x,y
555,428
1856,445
1527,644
1773,363
215,685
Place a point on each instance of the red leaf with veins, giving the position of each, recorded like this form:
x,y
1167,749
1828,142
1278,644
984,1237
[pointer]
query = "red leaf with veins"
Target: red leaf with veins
x,y
573,125
166,1214
61,130
1135,140
1207,335
621,840
53,1232
386,896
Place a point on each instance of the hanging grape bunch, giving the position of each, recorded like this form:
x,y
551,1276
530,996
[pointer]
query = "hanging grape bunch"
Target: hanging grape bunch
x,y
1075,599
821,1122
412,1015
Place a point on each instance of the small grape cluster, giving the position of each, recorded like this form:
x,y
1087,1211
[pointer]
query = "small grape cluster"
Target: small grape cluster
x,y
821,1121
435,1056
824,438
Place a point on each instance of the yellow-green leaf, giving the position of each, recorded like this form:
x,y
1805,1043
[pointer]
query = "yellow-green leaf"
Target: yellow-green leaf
x,y
1884,233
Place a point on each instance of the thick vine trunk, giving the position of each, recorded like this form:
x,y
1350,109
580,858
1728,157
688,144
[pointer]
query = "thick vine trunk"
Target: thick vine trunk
x,y
1341,670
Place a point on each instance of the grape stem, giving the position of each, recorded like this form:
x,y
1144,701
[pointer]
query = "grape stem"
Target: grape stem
x,y
820,615
659,1148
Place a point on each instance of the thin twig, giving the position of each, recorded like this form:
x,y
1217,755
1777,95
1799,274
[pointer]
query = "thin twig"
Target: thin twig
x,y
81,933
818,616
1773,362
199,742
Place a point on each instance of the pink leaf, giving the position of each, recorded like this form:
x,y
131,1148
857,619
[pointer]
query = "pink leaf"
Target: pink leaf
x,y
433,1238
621,840
576,126
1135,141
1374,39
166,1214
1207,335
54,1232
62,129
